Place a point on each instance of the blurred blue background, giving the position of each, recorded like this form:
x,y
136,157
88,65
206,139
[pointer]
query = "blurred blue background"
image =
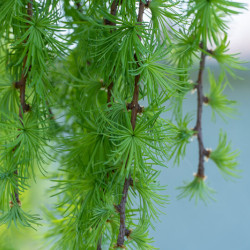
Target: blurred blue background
x,y
224,224
220,225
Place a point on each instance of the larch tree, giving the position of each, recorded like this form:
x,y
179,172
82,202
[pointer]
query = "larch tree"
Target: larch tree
x,y
74,78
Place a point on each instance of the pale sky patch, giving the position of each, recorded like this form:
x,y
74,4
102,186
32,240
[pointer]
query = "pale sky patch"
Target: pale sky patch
x,y
239,33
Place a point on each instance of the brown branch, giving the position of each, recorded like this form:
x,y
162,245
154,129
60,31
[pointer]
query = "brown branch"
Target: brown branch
x,y
121,209
110,88
141,11
135,104
205,100
24,107
113,12
78,5
207,152
198,127
51,115
30,8
139,108
99,246
210,51
128,232
22,83
135,109
147,4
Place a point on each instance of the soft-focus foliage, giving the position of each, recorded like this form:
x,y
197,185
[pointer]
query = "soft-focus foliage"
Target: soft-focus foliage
x,y
73,78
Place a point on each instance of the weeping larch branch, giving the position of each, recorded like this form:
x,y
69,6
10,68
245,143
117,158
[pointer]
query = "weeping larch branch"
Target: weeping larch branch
x,y
134,111
198,127
21,85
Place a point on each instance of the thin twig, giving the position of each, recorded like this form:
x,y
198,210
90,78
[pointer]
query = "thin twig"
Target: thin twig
x,y
198,127
135,109
113,11
22,86
109,95
99,246
122,205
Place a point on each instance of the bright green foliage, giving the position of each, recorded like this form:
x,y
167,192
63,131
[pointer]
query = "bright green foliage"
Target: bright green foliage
x,y
157,76
115,50
148,139
8,95
228,62
210,17
18,216
98,165
139,238
101,147
225,158
107,147
216,99
9,10
185,49
164,17
150,199
29,43
182,137
22,138
40,41
207,28
8,182
197,189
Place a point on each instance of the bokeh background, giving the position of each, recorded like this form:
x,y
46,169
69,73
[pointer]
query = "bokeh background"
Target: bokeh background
x,y
224,224
220,225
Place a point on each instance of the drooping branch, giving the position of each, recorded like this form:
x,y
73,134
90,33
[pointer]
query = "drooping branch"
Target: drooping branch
x,y
135,109
24,107
22,83
122,206
198,127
